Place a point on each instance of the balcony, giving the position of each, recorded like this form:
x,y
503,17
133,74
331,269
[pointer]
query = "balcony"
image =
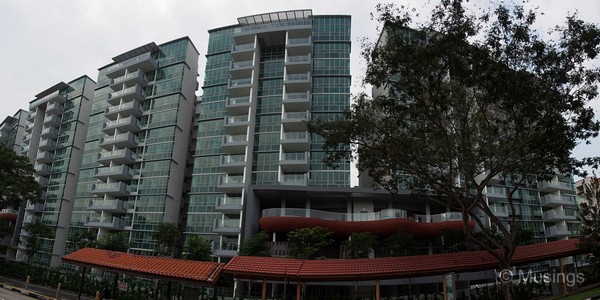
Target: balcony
x,y
243,52
49,133
129,124
298,63
390,213
115,189
235,143
26,137
297,101
231,183
123,140
294,141
44,157
52,121
236,124
555,215
299,45
42,169
136,78
499,210
233,163
143,62
550,186
34,207
557,200
229,205
28,128
557,231
294,179
294,162
112,206
113,223
121,172
123,156
225,249
238,105
496,179
55,108
124,110
495,193
297,82
128,94
55,96
43,181
241,69
47,145
25,149
30,116
240,87
227,227
295,121
31,219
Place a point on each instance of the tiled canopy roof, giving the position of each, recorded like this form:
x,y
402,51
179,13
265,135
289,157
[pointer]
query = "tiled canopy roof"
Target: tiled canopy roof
x,y
164,268
313,270
392,267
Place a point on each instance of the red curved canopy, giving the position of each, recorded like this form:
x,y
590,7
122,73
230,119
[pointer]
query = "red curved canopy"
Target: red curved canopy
x,y
8,216
386,227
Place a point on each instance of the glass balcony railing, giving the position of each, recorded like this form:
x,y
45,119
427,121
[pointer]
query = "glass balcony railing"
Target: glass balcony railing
x,y
243,47
335,216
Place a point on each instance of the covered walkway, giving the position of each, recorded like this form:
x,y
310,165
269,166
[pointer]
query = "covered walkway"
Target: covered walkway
x,y
301,271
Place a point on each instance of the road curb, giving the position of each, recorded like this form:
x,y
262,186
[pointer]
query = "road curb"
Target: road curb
x,y
31,294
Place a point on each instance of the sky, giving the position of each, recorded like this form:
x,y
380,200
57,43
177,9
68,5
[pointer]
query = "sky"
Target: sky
x,y
44,42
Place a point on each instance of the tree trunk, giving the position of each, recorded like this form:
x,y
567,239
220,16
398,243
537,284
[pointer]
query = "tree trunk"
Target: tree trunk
x,y
507,290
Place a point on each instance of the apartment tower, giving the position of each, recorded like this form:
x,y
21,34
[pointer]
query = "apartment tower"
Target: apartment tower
x,y
265,77
136,147
56,125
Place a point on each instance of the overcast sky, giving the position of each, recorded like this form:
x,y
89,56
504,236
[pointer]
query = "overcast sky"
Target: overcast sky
x,y
45,42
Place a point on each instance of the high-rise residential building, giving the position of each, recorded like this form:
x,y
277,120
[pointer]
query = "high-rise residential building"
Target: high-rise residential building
x,y
12,130
134,157
265,77
53,141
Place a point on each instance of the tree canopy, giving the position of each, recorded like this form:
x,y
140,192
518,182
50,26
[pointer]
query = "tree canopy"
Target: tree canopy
x,y
166,236
16,179
309,243
360,244
466,97
113,241
34,239
198,248
256,245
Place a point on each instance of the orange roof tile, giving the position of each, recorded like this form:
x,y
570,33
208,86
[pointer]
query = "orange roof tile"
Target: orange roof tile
x,y
390,267
164,268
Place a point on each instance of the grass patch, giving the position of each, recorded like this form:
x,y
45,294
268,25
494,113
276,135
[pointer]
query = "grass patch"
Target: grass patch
x,y
583,295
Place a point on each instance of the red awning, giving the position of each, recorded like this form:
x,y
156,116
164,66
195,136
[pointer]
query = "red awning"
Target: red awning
x,y
390,267
163,268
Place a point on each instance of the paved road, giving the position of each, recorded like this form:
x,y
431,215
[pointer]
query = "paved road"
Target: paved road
x,y
10,295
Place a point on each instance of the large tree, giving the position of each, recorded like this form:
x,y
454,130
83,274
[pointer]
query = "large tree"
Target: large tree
x,y
16,179
469,97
